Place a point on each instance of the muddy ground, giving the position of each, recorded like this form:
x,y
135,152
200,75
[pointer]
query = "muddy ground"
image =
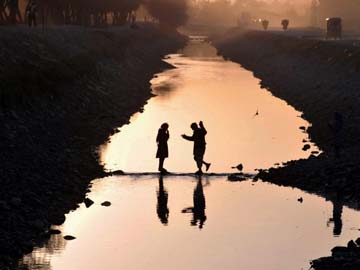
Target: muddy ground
x,y
63,91
318,78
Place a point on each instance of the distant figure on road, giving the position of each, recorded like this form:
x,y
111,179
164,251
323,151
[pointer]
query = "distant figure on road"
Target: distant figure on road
x,y
31,13
285,24
162,151
198,138
265,24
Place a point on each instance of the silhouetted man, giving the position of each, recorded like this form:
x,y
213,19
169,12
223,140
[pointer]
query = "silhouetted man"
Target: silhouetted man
x,y
198,137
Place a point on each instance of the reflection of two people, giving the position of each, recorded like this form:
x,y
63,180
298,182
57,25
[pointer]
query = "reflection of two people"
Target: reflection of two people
x,y
198,210
337,212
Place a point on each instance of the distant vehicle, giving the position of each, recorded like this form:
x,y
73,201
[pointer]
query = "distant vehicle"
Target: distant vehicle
x,y
265,24
334,28
285,24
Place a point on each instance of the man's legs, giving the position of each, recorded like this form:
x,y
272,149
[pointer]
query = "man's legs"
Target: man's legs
x,y
199,163
207,165
199,156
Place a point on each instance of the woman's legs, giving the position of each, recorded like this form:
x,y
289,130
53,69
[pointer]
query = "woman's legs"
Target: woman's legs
x,y
161,164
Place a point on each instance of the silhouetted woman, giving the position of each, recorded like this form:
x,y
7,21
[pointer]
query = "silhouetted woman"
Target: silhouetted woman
x,y
162,151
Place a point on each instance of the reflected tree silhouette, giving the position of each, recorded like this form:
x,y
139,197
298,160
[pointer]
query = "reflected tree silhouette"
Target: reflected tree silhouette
x,y
162,200
198,210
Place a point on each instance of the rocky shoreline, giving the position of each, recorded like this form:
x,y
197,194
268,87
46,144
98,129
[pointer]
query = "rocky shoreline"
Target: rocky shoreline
x,y
318,78
63,91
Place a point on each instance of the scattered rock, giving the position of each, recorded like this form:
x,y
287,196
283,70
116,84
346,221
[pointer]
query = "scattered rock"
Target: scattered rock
x,y
69,237
54,232
306,147
106,204
88,202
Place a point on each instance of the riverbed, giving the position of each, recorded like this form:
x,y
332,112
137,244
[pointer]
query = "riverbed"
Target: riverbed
x,y
186,222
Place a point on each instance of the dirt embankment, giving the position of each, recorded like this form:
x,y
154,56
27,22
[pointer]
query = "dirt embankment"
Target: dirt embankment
x,y
62,92
317,78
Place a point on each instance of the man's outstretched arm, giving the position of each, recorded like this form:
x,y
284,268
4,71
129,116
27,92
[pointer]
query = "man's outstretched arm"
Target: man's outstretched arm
x,y
186,137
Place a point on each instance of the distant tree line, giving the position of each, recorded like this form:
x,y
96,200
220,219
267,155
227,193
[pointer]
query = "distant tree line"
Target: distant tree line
x,y
95,12
87,12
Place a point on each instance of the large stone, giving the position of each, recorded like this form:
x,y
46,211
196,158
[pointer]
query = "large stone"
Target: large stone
x,y
106,204
69,237
88,202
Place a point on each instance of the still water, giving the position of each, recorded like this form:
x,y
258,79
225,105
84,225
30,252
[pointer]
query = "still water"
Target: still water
x,y
182,222
226,98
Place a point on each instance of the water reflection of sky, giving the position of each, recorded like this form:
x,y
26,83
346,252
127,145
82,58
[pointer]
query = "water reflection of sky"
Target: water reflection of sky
x,y
209,224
